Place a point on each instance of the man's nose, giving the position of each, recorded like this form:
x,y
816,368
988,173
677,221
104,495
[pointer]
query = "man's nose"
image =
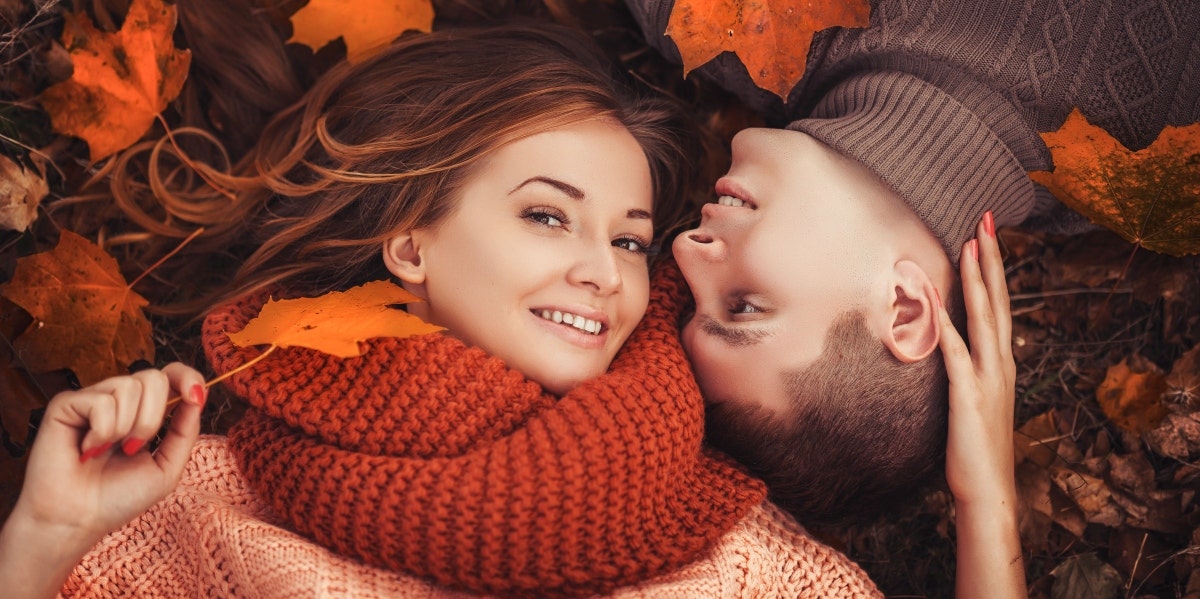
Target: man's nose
x,y
705,245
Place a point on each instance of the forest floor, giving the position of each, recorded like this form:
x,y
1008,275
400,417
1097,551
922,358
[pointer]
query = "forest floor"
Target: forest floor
x,y
1108,487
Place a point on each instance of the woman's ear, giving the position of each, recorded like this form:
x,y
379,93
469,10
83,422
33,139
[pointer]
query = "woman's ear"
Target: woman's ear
x,y
912,329
403,258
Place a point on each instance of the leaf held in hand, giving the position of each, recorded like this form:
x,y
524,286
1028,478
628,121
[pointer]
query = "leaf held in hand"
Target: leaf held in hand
x,y
336,322
1150,197
20,193
121,80
85,316
771,37
364,26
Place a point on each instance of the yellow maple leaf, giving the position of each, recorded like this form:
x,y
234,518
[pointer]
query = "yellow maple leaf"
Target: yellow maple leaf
x,y
1150,197
364,25
771,37
121,80
86,317
336,322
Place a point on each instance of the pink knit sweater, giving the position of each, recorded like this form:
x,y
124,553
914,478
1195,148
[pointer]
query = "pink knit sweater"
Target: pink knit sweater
x,y
212,537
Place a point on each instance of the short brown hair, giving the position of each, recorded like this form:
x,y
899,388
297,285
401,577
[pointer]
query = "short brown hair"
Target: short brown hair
x,y
864,432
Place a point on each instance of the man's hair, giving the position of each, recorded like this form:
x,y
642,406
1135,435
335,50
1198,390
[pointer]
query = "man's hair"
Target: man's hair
x,y
865,432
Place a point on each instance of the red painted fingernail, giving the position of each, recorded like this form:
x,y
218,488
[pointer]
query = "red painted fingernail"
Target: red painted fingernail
x,y
974,246
989,223
93,452
199,395
131,446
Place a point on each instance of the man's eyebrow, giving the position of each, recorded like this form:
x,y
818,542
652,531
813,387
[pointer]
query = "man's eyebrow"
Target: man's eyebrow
x,y
569,190
739,337
575,193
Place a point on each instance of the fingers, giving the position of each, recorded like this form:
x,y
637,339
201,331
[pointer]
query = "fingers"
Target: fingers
x,y
992,268
959,368
123,412
981,322
176,446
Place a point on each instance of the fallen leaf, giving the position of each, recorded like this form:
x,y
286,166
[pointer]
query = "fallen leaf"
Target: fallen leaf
x,y
121,80
365,26
1150,197
1091,494
1035,509
85,316
1183,384
20,193
19,394
1084,576
1037,440
336,322
1177,436
771,37
1131,394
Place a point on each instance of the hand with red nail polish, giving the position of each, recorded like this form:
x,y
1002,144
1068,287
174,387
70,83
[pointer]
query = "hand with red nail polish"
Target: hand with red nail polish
x,y
78,488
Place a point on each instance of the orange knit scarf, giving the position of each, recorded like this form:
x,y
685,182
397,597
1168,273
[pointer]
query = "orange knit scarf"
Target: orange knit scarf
x,y
432,458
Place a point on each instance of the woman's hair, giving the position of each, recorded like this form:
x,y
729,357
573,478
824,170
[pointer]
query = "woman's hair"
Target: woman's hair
x,y
380,147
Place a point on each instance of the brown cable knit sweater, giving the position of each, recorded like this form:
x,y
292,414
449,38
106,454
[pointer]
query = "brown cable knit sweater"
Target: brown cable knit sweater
x,y
944,99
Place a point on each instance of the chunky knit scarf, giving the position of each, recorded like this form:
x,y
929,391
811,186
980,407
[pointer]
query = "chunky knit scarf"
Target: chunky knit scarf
x,y
434,459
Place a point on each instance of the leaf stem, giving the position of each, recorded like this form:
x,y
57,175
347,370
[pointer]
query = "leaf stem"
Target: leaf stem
x,y
208,384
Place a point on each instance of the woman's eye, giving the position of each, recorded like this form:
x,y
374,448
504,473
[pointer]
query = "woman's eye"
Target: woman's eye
x,y
543,216
632,244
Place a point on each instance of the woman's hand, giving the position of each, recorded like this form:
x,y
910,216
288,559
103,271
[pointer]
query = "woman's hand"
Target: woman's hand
x,y
88,472
979,450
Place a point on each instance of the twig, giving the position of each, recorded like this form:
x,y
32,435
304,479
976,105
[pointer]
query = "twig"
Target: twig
x,y
186,241
1057,292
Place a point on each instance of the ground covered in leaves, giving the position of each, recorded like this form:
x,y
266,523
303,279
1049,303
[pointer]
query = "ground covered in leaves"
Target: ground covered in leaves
x,y
1105,334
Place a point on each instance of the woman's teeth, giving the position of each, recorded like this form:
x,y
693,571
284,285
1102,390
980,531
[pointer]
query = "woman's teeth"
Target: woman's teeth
x,y
586,325
730,201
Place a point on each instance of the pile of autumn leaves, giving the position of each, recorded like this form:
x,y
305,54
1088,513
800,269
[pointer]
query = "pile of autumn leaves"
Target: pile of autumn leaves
x,y
80,314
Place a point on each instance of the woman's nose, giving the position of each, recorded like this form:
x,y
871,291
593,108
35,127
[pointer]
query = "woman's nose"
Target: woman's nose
x,y
704,245
597,268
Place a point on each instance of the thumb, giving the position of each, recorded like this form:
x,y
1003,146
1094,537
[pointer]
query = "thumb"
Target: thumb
x,y
176,447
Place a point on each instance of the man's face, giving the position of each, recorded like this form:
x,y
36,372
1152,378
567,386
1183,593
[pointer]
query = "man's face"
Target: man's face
x,y
774,262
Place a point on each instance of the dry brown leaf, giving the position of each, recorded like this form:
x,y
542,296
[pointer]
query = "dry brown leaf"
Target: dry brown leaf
x,y
1177,436
1084,576
1037,440
20,193
121,80
771,37
1091,494
1150,197
336,322
1035,509
364,25
1131,394
86,317
1183,384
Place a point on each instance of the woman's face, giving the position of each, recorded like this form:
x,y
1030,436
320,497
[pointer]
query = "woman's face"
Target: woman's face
x,y
543,260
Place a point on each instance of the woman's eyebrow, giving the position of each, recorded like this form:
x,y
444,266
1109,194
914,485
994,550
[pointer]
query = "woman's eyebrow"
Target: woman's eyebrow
x,y
569,190
739,337
574,193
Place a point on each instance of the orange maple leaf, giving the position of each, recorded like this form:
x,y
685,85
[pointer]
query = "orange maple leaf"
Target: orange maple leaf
x,y
365,26
771,37
336,322
121,80
1150,197
86,317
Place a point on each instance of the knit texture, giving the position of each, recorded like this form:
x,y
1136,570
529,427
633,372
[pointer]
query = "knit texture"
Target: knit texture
x,y
214,537
943,99
432,458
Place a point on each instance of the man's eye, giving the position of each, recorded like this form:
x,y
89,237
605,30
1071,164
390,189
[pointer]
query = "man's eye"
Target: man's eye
x,y
744,307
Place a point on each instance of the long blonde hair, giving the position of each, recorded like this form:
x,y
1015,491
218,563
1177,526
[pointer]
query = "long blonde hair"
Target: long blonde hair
x,y
380,147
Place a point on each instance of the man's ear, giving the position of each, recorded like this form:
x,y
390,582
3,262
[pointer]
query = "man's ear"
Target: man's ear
x,y
402,256
912,329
